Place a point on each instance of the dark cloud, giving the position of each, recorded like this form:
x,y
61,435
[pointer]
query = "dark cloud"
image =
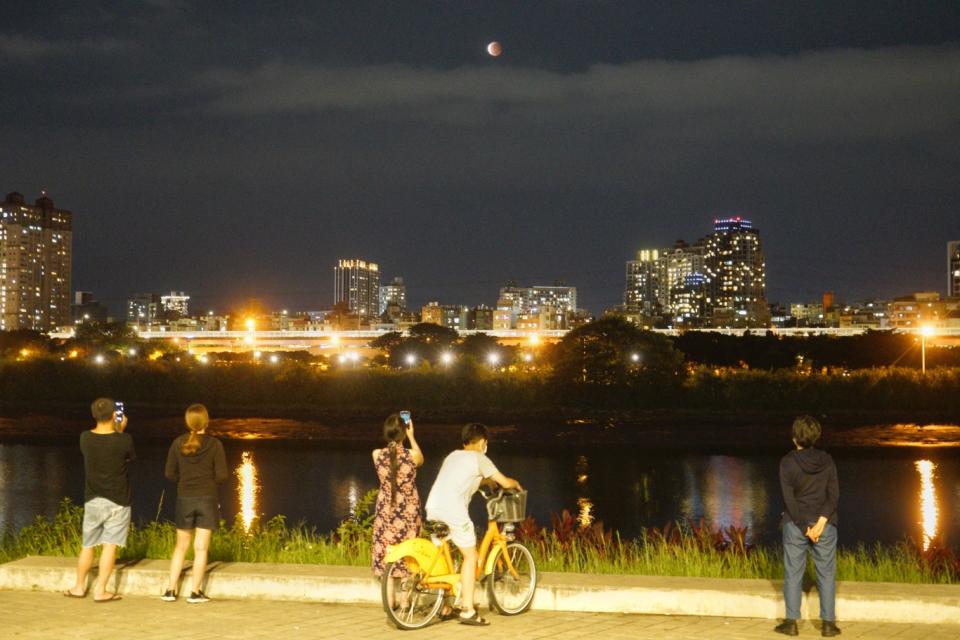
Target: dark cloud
x,y
242,152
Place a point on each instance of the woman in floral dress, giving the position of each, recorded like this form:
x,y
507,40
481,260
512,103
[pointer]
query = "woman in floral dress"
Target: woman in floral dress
x,y
397,516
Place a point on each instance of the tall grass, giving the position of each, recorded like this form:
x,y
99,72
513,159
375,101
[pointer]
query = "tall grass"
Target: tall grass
x,y
692,550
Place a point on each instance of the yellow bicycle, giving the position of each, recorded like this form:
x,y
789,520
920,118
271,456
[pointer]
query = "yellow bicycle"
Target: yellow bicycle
x,y
427,574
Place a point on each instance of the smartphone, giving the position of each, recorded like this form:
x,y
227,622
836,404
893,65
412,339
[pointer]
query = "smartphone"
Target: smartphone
x,y
119,409
405,416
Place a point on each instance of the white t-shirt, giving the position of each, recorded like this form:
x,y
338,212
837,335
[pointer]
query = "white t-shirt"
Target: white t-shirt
x,y
459,478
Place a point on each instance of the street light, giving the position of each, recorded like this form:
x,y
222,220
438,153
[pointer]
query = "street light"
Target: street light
x,y
493,358
446,357
411,359
635,357
925,332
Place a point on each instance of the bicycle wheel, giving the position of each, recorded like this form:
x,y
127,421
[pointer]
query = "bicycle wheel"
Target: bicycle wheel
x,y
509,594
412,606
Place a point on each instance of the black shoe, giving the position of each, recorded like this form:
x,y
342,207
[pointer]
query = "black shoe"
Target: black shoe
x,y
829,629
788,628
169,596
197,597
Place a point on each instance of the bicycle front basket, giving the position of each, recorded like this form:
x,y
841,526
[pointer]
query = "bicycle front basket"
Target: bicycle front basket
x,y
508,507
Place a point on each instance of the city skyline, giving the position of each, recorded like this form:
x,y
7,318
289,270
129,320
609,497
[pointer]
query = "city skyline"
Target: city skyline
x,y
238,152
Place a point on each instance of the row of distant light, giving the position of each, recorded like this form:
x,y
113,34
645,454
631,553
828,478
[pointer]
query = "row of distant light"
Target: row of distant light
x,y
446,358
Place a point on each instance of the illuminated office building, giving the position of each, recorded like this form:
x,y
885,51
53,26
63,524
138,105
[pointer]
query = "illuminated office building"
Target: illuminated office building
x,y
737,274
175,303
645,275
35,264
393,293
357,283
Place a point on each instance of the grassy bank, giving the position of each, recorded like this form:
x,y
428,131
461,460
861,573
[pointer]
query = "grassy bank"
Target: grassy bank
x,y
692,550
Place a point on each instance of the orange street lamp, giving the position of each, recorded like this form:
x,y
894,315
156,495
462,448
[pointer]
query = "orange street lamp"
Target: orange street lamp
x,y
925,332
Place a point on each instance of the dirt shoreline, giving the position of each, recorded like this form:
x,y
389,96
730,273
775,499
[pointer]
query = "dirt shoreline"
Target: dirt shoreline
x,y
558,430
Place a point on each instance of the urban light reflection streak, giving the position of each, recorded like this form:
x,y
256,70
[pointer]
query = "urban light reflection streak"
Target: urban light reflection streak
x,y
247,490
929,512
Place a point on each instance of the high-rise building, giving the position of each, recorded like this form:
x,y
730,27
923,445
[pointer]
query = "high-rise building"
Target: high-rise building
x,y
357,283
516,302
737,273
645,275
35,264
143,309
393,293
175,303
451,316
953,269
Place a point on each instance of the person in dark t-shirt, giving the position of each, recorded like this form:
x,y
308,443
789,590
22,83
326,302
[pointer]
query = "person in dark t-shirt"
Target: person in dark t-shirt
x,y
808,478
107,450
197,464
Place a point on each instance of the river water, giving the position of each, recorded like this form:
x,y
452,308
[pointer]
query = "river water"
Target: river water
x,y
887,494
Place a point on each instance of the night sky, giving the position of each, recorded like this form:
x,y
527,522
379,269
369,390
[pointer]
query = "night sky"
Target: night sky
x,y
239,151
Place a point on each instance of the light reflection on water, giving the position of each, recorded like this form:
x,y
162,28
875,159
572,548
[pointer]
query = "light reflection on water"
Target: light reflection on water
x,y
929,511
584,503
881,495
727,492
248,488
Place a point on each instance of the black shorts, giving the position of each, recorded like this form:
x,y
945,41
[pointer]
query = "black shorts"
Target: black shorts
x,y
197,512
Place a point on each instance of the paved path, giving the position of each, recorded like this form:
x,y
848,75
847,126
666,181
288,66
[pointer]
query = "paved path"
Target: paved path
x,y
45,615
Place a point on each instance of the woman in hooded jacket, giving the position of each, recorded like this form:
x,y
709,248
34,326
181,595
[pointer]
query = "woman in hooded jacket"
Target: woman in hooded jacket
x,y
197,464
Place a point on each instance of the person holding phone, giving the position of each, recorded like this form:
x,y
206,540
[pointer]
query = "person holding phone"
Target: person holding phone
x,y
107,451
397,516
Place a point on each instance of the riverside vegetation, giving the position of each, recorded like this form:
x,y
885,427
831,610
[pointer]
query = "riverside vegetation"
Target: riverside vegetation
x,y
605,366
691,550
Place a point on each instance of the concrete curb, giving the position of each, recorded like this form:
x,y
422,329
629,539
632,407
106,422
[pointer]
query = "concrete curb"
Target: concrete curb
x,y
856,601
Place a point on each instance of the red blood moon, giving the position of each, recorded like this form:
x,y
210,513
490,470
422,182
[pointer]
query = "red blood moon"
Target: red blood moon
x,y
494,49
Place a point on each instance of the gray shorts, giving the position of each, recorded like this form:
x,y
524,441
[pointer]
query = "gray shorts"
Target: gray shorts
x,y
105,522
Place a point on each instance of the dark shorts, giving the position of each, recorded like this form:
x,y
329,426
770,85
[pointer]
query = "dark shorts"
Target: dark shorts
x,y
197,512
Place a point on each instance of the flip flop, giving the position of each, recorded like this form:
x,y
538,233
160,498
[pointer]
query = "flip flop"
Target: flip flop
x,y
450,615
113,598
73,595
474,621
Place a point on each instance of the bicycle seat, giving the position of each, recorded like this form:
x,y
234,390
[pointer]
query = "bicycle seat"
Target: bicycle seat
x,y
436,528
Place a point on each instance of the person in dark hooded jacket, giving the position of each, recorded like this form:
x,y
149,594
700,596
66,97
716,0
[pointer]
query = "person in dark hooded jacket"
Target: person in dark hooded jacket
x,y
197,464
808,478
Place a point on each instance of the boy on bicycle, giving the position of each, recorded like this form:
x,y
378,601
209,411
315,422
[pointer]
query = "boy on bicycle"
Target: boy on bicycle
x,y
459,478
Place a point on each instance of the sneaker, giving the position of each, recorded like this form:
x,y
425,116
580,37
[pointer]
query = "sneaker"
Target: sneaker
x,y
829,629
169,596
197,597
788,628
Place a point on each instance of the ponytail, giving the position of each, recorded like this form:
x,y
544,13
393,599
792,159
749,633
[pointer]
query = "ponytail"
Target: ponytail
x,y
197,420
